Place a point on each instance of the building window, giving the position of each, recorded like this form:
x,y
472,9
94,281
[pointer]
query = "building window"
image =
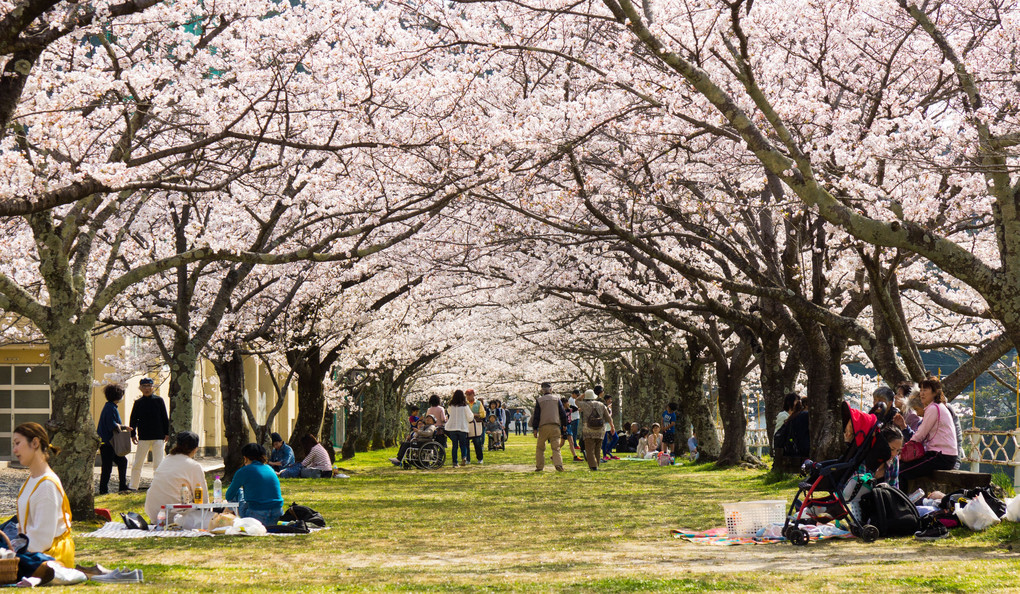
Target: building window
x,y
24,398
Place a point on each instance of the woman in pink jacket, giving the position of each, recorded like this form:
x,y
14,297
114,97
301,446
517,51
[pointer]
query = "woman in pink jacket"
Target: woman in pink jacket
x,y
937,433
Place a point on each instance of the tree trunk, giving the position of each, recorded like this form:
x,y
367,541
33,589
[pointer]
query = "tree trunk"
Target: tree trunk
x,y
824,393
695,406
307,366
71,426
327,435
777,379
231,375
182,382
734,423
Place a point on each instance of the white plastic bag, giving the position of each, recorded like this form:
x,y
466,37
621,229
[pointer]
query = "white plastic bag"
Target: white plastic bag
x,y
1013,509
977,514
247,527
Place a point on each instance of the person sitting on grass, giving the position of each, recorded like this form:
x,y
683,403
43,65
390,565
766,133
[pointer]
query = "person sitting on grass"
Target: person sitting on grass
x,y
628,444
179,468
495,432
692,446
262,497
282,455
653,442
44,515
642,446
423,432
316,463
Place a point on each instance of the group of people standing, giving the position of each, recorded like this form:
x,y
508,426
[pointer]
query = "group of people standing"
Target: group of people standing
x,y
466,422
588,426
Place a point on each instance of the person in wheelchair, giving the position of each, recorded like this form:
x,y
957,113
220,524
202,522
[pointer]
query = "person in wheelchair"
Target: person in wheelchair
x,y
424,431
495,432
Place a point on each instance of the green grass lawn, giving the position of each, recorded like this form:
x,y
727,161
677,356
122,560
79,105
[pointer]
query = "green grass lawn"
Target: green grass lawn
x,y
501,527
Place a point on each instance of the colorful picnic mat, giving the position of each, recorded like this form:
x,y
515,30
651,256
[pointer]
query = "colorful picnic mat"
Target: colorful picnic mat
x,y
719,537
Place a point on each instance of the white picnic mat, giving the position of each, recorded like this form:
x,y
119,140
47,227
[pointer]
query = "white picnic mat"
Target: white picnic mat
x,y
118,530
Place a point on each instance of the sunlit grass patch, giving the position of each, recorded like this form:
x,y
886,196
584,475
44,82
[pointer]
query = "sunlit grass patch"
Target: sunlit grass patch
x,y
501,527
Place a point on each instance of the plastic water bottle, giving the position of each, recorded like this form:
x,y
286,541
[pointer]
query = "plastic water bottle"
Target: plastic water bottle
x,y
185,494
161,518
217,490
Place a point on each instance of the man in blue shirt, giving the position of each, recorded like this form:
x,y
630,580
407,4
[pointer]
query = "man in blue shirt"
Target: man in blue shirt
x,y
669,427
282,455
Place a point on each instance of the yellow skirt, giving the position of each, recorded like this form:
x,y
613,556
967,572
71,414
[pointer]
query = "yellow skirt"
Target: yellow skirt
x,y
63,550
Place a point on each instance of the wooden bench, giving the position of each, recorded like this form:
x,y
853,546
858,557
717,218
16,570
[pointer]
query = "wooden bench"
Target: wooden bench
x,y
948,481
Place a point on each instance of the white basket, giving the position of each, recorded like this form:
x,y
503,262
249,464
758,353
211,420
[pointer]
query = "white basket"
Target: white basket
x,y
746,518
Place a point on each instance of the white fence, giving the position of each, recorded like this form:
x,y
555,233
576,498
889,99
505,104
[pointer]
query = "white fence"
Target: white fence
x,y
998,448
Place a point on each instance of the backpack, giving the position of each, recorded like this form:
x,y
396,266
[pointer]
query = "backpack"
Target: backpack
x,y
303,513
783,440
594,420
293,527
889,510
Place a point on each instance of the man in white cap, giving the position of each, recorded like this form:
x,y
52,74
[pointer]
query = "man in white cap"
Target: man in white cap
x,y
594,419
549,421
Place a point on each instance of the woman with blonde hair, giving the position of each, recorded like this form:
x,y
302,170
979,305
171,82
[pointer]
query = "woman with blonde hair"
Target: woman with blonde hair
x,y
44,514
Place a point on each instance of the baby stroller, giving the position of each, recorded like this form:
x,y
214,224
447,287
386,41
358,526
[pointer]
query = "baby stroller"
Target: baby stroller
x,y
426,455
826,484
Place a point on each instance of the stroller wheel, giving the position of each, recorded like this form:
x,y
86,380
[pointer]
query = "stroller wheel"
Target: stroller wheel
x,y
797,536
869,533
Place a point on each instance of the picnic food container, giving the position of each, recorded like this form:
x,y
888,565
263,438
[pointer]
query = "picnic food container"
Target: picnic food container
x,y
746,518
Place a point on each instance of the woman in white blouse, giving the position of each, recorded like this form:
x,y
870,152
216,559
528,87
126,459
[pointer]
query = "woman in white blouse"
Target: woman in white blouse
x,y
44,514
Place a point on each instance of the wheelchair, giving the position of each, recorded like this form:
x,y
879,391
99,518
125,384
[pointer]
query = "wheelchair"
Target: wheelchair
x,y
426,455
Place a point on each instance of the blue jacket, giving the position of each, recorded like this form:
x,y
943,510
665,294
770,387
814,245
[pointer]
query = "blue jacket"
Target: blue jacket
x,y
284,455
108,421
261,486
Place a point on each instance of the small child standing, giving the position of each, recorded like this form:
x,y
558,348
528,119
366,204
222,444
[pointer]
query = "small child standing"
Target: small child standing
x,y
495,432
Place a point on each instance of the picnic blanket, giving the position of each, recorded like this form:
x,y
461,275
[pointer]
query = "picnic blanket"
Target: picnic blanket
x,y
770,535
118,530
676,462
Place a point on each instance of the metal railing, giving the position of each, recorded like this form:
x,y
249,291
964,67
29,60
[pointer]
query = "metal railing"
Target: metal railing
x,y
997,448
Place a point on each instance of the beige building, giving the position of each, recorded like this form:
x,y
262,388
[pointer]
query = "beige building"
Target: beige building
x,y
25,393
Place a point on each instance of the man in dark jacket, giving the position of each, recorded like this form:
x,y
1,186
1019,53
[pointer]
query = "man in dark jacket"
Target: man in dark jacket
x,y
549,421
150,428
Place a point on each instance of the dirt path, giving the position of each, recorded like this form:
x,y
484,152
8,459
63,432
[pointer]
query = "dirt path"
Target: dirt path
x,y
679,557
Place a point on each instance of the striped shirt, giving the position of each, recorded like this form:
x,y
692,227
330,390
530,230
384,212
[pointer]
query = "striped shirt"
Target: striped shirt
x,y
317,459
